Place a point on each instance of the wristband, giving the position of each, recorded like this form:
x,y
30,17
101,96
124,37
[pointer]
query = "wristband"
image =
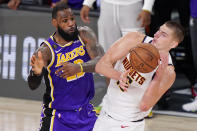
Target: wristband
x,y
146,11
148,5
81,67
88,3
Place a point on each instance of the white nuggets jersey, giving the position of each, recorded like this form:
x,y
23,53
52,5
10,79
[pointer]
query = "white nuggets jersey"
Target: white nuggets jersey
x,y
125,105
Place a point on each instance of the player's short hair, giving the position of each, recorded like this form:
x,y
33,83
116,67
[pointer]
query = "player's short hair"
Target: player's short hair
x,y
59,7
179,31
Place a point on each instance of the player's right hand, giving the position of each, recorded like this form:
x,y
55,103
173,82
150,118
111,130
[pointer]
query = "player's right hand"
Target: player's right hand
x,y
145,18
84,14
37,63
67,69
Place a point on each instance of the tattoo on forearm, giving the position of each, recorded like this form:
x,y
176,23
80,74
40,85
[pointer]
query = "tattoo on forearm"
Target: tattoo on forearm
x,y
90,65
94,49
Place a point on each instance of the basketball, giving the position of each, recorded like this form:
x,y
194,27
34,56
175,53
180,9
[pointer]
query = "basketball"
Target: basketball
x,y
144,58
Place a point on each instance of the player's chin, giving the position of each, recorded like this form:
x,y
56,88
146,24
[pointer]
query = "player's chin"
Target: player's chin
x,y
154,42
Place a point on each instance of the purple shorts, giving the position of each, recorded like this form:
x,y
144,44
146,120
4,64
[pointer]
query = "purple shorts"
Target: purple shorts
x,y
82,119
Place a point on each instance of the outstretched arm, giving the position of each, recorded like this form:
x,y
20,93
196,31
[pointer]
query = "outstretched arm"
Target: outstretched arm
x,y
39,62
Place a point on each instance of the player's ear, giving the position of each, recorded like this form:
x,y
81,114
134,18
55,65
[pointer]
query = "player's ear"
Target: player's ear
x,y
54,22
175,44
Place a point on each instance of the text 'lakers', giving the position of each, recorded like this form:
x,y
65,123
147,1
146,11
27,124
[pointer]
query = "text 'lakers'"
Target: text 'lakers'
x,y
70,55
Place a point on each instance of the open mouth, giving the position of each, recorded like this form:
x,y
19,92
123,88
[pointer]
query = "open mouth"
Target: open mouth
x,y
72,29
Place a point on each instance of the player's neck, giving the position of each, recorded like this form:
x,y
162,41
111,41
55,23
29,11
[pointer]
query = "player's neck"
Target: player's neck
x,y
164,52
59,40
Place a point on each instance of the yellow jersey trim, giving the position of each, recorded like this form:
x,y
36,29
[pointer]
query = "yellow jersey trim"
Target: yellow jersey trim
x,y
52,120
81,40
49,71
68,44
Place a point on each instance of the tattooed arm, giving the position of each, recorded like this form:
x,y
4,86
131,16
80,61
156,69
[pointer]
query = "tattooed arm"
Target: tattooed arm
x,y
39,61
93,48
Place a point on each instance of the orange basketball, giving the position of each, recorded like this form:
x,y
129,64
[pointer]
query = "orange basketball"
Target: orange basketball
x,y
144,58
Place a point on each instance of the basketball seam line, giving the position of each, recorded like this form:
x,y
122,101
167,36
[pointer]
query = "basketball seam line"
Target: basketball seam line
x,y
143,60
148,51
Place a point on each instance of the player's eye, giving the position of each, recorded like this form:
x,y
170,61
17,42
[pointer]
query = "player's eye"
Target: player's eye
x,y
163,34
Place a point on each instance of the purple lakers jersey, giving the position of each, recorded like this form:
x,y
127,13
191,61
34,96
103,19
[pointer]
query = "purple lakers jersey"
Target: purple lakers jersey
x,y
74,91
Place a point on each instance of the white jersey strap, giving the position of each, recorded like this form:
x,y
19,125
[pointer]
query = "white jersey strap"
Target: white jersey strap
x,y
147,39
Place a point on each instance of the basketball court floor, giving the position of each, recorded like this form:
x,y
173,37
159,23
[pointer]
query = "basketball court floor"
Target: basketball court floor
x,y
24,115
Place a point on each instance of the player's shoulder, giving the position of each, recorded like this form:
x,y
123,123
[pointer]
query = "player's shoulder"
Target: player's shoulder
x,y
135,35
86,34
43,47
83,29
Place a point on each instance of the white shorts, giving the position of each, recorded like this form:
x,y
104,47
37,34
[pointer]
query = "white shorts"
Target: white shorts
x,y
107,123
116,21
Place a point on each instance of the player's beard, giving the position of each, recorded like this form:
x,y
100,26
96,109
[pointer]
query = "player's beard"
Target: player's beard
x,y
68,36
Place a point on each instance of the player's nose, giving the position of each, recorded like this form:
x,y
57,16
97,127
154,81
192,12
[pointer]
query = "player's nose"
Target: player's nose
x,y
156,35
71,23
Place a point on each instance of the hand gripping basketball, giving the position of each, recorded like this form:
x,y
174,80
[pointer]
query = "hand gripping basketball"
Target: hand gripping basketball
x,y
123,82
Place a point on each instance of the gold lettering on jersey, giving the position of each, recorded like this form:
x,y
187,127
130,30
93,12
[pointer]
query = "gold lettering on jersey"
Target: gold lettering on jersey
x,y
79,51
134,75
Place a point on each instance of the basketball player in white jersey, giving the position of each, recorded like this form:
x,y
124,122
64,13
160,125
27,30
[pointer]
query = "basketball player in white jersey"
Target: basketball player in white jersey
x,y
117,18
125,110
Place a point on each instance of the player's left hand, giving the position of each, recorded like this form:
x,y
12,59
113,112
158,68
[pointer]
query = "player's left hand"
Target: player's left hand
x,y
123,81
84,14
68,69
37,63
145,18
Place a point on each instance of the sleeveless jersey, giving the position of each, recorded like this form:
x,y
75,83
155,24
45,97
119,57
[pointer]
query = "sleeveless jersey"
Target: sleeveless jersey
x,y
125,105
74,91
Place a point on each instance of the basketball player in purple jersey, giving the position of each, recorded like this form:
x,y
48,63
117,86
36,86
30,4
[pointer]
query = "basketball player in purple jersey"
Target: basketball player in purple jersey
x,y
66,61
